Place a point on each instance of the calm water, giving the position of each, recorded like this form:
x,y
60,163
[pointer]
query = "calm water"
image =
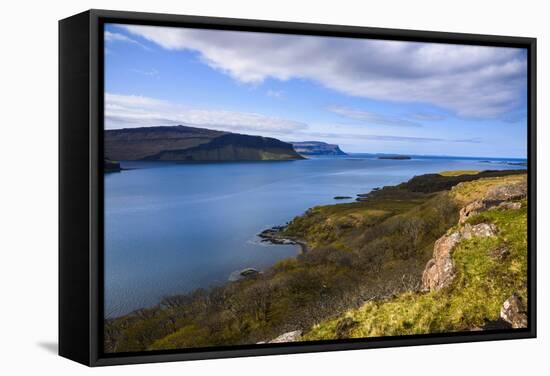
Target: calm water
x,y
171,228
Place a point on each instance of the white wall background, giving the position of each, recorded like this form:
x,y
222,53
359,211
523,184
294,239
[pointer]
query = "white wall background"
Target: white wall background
x,y
28,206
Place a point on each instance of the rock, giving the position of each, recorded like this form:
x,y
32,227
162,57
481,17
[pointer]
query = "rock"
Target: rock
x,y
498,196
293,336
509,205
471,209
245,273
513,311
342,197
248,272
439,271
481,230
500,253
344,327
508,192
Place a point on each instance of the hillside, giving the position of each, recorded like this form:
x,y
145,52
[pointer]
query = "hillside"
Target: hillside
x,y
182,143
373,267
317,148
475,280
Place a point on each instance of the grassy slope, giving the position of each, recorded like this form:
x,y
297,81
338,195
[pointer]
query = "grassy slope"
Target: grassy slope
x,y
459,172
476,295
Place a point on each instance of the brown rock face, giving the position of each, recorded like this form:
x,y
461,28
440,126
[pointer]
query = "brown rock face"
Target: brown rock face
x,y
508,192
496,197
471,209
481,230
510,205
288,337
513,311
440,271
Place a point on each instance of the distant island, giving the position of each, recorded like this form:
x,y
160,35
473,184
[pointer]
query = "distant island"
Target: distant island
x,y
317,148
397,157
183,143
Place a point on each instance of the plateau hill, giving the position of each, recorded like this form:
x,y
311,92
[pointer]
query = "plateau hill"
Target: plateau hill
x,y
183,143
317,148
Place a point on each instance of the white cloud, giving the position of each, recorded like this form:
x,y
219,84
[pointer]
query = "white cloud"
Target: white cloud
x,y
110,36
275,93
373,117
130,111
471,81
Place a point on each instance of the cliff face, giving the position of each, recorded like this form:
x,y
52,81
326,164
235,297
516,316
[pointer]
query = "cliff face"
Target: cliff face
x,y
317,148
182,143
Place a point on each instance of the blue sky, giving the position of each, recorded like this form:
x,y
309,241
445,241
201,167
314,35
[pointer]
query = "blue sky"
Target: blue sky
x,y
364,95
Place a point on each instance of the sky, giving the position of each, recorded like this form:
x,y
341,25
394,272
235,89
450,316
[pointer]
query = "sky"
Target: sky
x,y
370,96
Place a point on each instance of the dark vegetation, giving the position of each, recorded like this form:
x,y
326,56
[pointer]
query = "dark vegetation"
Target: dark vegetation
x,y
358,252
439,182
111,166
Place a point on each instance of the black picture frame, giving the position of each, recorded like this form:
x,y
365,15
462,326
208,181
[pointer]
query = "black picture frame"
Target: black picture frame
x,y
81,185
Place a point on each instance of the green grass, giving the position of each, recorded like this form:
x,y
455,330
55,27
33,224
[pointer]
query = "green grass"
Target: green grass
x,y
476,295
459,172
467,192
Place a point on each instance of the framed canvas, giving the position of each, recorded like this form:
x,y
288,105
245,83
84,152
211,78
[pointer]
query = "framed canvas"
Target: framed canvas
x,y
234,187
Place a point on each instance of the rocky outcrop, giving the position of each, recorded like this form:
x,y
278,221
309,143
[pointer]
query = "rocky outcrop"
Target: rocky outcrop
x,y
481,230
471,209
245,273
499,197
508,192
513,311
293,336
439,271
275,235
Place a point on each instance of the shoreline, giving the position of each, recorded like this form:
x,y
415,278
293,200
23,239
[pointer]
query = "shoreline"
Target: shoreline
x,y
273,235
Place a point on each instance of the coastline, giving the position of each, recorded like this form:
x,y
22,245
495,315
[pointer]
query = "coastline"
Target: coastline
x,y
341,254
275,236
